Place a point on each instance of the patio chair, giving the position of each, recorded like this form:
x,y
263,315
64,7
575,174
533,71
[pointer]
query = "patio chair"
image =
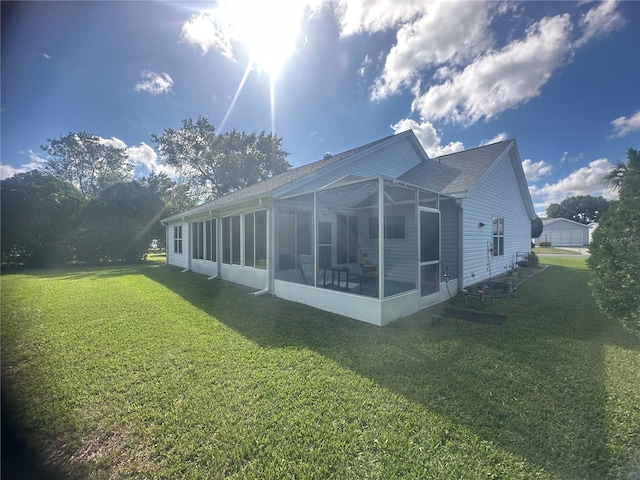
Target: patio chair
x,y
307,267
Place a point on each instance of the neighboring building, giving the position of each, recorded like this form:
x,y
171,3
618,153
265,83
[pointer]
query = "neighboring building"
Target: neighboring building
x,y
374,233
592,228
562,232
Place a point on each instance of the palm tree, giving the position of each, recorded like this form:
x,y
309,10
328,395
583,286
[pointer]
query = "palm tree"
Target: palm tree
x,y
613,179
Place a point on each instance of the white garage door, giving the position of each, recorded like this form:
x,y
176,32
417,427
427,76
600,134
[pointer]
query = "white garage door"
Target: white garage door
x,y
566,238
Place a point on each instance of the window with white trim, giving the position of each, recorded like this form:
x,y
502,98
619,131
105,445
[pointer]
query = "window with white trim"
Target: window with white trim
x,y
498,236
177,239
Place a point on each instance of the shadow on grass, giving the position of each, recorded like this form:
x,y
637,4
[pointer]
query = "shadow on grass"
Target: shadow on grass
x,y
535,385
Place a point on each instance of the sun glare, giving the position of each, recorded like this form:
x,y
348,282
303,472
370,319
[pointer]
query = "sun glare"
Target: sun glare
x,y
267,29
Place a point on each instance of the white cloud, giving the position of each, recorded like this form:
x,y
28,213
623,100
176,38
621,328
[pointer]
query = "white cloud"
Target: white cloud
x,y
500,80
500,137
584,181
433,39
113,142
7,171
35,162
535,170
358,16
208,33
364,65
625,125
267,30
143,155
600,20
154,83
47,56
428,136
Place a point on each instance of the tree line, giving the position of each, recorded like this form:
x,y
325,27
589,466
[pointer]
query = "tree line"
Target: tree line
x,y
84,205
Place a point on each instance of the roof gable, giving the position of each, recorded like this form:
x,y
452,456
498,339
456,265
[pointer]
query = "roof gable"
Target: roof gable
x,y
551,221
457,174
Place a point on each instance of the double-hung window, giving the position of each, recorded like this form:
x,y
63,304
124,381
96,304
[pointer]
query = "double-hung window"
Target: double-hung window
x,y
498,236
177,239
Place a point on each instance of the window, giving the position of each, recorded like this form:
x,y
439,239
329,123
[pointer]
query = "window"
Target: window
x,y
394,227
347,231
197,252
210,228
498,236
295,237
261,239
249,244
235,240
254,248
226,240
177,239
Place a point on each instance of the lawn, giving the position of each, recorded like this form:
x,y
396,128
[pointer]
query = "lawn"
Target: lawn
x,y
554,250
129,372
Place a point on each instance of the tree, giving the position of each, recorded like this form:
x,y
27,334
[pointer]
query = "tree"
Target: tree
x,y
582,209
212,165
87,162
39,215
615,249
118,224
536,227
173,195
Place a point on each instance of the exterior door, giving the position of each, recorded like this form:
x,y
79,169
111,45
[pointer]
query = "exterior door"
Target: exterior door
x,y
326,243
429,252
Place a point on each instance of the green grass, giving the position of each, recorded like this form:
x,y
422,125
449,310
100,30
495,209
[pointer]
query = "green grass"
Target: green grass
x,y
145,372
554,250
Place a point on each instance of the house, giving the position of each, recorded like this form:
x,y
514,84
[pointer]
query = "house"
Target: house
x,y
374,233
592,228
562,232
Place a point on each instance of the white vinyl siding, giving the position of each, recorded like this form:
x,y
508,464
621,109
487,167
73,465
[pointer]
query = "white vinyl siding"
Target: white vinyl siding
x,y
449,236
495,195
400,255
176,258
562,232
564,238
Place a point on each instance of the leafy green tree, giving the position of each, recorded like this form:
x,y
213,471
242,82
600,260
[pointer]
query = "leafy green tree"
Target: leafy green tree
x,y
615,249
174,196
119,224
582,209
87,161
39,215
212,165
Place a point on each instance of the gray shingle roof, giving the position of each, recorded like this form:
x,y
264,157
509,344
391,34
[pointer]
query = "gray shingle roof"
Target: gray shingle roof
x,y
457,172
264,187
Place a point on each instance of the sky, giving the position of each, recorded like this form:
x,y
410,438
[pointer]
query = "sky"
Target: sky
x,y
562,78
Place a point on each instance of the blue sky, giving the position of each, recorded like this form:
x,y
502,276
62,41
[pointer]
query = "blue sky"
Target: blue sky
x,y
562,78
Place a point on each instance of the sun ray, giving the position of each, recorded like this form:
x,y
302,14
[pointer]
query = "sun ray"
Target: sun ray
x,y
237,94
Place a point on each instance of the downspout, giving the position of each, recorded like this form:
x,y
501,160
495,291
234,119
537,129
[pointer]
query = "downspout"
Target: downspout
x,y
268,288
380,239
166,243
458,204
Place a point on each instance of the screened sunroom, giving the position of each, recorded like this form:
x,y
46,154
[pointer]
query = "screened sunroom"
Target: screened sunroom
x,y
371,249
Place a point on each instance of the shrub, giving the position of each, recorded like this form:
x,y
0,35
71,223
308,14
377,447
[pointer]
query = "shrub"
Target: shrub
x,y
615,249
